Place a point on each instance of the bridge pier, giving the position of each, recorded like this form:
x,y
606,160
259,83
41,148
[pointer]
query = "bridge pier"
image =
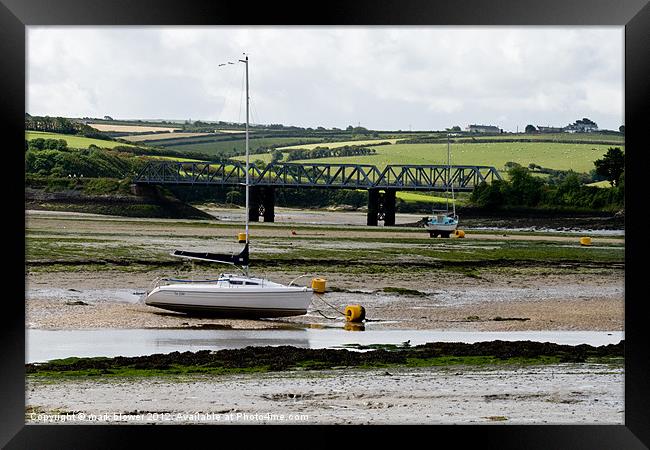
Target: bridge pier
x,y
373,207
254,204
145,190
268,203
381,206
261,204
388,204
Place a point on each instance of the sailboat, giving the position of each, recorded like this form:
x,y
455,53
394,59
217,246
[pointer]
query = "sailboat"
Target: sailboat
x,y
443,223
230,295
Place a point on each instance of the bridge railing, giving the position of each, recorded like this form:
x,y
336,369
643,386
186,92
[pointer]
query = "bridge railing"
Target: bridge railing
x,y
350,176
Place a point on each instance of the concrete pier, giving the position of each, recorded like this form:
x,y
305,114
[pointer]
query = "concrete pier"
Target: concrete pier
x,y
381,207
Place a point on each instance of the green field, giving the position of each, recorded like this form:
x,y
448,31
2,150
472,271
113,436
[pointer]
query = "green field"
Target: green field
x,y
228,147
170,158
337,144
601,184
266,157
423,198
73,141
578,157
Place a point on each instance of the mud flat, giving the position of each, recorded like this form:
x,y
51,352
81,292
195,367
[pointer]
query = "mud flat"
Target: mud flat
x,y
530,299
552,394
486,382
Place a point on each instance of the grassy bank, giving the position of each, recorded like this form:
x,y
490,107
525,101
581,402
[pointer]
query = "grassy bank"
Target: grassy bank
x,y
229,147
116,203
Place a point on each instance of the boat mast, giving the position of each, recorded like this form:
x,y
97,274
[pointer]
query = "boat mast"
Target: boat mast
x,y
448,176
245,61
449,180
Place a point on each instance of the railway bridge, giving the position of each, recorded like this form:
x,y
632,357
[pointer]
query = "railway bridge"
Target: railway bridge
x,y
381,184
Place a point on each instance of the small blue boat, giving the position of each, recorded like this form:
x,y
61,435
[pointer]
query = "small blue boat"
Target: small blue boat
x,y
442,224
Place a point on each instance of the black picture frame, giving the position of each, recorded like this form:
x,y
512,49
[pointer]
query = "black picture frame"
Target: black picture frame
x,y
15,15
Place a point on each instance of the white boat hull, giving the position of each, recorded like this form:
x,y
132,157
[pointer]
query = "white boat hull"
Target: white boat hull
x,y
442,227
242,301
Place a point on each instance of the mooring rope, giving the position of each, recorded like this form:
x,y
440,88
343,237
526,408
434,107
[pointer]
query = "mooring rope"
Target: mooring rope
x,y
342,313
327,317
331,306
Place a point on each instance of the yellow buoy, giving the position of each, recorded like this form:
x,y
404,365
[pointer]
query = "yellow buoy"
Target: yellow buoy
x,y
318,285
355,313
459,233
585,240
241,237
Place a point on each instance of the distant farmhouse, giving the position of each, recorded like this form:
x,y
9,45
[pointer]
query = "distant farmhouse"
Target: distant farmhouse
x,y
483,129
579,126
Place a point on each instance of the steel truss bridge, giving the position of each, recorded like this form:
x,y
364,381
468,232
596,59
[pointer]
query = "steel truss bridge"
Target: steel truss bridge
x,y
341,176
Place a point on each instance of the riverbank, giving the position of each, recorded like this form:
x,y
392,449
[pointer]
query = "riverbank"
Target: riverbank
x,y
111,204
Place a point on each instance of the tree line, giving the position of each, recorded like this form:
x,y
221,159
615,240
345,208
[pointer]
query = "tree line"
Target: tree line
x,y
61,161
63,126
523,189
326,152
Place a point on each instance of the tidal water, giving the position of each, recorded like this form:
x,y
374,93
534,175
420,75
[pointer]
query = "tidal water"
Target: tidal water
x,y
44,345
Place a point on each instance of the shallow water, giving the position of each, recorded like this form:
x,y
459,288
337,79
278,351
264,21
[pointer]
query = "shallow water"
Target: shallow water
x,y
43,345
310,217
321,217
87,295
556,230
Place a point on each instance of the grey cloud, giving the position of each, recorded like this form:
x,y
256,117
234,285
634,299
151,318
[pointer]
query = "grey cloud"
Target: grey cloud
x,y
385,77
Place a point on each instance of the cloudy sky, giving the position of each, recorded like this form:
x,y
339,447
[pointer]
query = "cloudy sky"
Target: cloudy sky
x,y
391,78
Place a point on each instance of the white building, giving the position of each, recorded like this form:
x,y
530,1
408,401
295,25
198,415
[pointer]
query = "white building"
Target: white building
x,y
542,129
483,129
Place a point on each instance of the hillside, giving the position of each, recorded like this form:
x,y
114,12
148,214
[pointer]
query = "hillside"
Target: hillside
x,y
577,157
73,140
551,156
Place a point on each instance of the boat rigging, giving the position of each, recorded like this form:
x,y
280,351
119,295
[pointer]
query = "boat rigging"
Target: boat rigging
x,y
230,295
443,223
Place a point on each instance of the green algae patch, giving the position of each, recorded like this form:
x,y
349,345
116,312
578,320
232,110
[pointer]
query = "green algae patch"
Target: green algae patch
x,y
404,291
285,358
129,371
